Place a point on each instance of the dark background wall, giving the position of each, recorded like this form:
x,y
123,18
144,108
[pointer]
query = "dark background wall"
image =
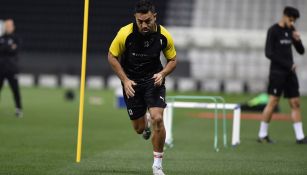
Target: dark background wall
x,y
51,33
56,25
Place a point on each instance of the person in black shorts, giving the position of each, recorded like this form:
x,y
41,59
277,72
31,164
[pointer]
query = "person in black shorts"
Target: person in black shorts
x,y
135,57
283,78
9,46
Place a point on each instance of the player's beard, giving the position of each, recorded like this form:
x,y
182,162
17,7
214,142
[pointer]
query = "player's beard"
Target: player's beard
x,y
148,30
145,31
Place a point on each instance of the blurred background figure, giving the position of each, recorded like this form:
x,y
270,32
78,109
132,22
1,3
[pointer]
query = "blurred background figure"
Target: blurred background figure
x,y
1,27
282,78
9,46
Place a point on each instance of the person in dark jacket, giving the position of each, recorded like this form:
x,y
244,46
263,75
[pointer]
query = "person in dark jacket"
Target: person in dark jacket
x,y
283,78
9,46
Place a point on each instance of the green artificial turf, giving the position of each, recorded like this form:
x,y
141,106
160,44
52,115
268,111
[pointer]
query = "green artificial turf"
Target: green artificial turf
x,y
43,142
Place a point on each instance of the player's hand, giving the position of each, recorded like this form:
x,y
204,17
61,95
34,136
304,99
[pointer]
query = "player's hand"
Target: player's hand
x,y
128,85
158,79
296,35
293,69
14,46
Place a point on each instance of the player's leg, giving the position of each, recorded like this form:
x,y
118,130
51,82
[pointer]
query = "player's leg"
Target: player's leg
x,y
139,125
292,92
147,130
1,83
275,89
269,108
263,135
154,97
158,138
136,108
297,120
137,116
295,109
13,82
140,122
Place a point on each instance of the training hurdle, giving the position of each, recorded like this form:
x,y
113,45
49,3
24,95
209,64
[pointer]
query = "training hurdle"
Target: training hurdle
x,y
216,103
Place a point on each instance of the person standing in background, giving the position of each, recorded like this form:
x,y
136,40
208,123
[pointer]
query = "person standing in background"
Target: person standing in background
x,y
283,78
9,47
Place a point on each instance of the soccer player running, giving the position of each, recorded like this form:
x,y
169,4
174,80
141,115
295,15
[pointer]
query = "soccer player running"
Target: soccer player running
x,y
283,78
9,45
135,57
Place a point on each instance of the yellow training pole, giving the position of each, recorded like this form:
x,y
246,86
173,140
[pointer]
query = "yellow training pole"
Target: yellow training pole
x,y
82,85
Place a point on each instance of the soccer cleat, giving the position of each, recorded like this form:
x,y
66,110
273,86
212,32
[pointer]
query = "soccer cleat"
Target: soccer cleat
x,y
18,113
146,133
302,141
157,170
265,139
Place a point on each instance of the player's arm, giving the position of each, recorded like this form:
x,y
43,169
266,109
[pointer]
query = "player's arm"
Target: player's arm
x,y
169,68
117,67
297,42
272,54
128,84
116,50
170,54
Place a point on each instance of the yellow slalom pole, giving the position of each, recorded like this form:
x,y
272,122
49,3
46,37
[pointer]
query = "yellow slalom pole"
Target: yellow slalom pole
x,y
82,85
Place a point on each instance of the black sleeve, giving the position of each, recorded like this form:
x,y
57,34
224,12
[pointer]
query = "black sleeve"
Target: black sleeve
x,y
299,47
4,47
270,51
8,47
16,42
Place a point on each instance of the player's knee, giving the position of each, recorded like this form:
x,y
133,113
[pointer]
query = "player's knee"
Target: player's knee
x,y
273,103
139,129
157,120
295,104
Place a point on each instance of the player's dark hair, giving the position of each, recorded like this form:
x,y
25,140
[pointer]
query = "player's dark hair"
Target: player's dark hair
x,y
144,6
291,12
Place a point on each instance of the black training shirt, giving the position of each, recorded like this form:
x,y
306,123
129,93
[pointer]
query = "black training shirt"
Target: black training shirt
x,y
278,48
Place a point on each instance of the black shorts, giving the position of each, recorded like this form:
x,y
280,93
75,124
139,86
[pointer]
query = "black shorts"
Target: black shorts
x,y
283,83
146,96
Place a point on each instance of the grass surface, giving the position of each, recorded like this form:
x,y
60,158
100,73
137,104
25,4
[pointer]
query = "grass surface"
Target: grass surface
x,y
44,141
